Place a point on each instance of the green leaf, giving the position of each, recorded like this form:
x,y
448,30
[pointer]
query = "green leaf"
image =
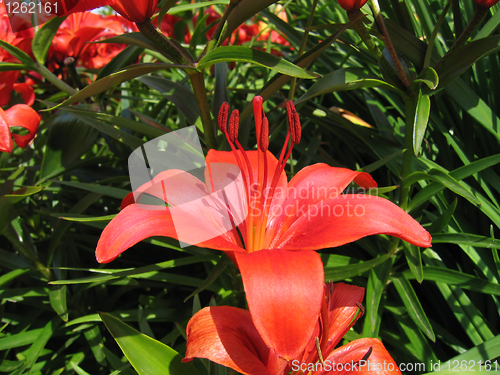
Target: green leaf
x,y
442,221
22,193
345,272
184,7
125,58
458,174
43,39
429,77
467,55
115,79
121,122
181,96
18,54
457,278
466,239
57,296
413,306
38,345
489,350
414,259
343,80
83,218
7,67
111,130
140,272
9,276
374,291
99,189
380,163
95,341
472,103
147,356
132,39
68,139
214,274
421,120
444,179
254,56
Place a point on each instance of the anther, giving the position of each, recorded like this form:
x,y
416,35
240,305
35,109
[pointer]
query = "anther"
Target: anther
x,y
361,308
264,135
222,120
234,121
294,122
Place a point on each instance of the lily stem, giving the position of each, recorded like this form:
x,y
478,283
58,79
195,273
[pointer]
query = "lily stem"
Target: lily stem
x,y
388,43
171,51
356,18
476,20
200,93
52,78
408,155
303,44
178,56
28,253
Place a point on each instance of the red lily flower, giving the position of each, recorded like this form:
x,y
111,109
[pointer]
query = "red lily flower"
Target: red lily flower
x,y
308,213
350,5
75,33
227,336
18,115
133,10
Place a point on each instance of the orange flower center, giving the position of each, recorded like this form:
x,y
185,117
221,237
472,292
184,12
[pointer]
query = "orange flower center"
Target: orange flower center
x,y
259,193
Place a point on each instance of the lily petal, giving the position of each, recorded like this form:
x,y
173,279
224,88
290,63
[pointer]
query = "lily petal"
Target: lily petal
x,y
26,91
72,6
338,316
309,187
342,308
133,224
6,144
377,360
348,218
26,117
227,336
284,291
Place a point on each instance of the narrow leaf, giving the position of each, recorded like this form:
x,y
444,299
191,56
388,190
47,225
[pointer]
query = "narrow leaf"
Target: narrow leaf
x,y
422,112
254,56
43,39
147,356
413,306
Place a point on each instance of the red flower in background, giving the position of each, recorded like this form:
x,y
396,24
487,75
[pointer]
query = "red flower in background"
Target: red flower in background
x,y
228,336
21,40
75,33
350,5
18,115
133,10
486,3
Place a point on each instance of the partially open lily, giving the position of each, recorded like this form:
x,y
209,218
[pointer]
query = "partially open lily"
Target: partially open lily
x,y
227,336
18,115
286,219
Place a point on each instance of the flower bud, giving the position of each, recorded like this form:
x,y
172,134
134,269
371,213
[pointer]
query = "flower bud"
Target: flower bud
x,y
486,3
350,5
